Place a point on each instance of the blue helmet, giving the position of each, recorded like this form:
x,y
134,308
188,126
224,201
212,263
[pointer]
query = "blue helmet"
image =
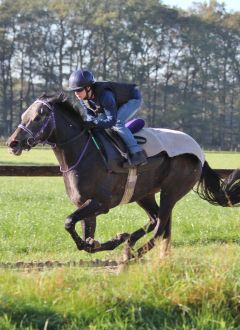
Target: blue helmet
x,y
80,79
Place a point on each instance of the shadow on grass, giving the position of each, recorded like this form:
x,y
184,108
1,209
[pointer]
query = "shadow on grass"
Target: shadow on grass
x,y
36,317
123,315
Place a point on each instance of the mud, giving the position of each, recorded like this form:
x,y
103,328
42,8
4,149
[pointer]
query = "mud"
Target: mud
x,y
48,264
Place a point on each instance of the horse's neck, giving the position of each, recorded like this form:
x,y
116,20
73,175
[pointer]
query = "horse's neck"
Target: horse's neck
x,y
66,127
70,140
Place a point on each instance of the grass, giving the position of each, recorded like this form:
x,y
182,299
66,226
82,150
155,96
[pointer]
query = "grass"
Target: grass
x,y
38,156
198,287
195,289
46,156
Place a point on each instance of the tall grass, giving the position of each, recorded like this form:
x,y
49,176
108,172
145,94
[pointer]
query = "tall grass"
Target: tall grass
x,y
197,287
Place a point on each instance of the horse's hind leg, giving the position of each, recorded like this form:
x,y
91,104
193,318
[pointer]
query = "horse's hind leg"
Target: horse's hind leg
x,y
180,181
149,204
162,228
165,244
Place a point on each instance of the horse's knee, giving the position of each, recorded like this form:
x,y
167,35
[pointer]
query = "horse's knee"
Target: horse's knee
x,y
68,224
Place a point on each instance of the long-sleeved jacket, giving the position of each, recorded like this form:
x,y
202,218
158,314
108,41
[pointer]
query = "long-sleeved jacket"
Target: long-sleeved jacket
x,y
109,97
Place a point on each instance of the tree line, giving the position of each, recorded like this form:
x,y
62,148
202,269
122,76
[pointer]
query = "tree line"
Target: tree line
x,y
185,63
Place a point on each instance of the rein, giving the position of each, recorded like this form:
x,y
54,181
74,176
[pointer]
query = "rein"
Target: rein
x,y
79,159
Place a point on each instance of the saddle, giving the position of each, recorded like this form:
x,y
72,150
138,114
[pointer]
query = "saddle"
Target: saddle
x,y
113,150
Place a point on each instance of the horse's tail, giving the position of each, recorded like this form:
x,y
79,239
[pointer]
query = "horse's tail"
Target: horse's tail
x,y
212,188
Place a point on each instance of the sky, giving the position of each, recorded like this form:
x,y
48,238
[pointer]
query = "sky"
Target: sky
x,y
230,5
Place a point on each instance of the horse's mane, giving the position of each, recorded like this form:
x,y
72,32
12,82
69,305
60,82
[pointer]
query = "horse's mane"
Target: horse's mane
x,y
64,104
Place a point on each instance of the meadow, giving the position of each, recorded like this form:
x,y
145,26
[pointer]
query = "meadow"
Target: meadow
x,y
197,287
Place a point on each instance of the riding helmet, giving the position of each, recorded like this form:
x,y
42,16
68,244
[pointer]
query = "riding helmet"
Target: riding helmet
x,y
80,79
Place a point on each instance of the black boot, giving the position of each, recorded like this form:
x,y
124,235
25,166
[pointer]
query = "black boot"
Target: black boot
x,y
137,159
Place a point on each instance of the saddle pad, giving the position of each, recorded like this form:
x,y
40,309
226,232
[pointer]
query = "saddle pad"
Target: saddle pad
x,y
173,142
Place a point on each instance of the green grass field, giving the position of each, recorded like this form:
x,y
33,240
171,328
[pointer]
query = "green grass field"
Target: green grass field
x,y
197,287
45,156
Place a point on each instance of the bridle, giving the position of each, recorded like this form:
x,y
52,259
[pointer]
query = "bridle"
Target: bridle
x,y
50,118
35,136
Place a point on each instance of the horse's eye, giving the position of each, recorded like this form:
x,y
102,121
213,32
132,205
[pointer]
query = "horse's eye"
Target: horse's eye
x,y
42,111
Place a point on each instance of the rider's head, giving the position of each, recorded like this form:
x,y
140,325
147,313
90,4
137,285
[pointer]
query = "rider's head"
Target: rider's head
x,y
80,82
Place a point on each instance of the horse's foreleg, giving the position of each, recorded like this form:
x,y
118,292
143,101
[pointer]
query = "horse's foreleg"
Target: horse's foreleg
x,y
89,210
88,227
109,245
87,213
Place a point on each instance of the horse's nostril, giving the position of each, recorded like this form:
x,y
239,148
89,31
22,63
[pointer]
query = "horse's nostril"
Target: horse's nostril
x,y
13,144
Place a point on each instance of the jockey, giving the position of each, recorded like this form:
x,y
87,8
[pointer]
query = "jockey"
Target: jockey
x,y
108,104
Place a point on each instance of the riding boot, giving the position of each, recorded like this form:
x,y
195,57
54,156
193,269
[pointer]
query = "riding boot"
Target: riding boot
x,y
137,159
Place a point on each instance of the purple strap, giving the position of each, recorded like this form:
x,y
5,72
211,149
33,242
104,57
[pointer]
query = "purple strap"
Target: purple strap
x,y
27,130
44,125
79,159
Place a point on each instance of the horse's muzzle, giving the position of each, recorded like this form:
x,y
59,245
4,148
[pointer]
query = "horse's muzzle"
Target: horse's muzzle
x,y
14,147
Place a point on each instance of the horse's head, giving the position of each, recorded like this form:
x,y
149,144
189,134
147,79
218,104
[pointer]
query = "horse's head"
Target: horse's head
x,y
37,124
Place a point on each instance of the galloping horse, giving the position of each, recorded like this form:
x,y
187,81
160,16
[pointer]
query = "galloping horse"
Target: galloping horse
x,y
94,190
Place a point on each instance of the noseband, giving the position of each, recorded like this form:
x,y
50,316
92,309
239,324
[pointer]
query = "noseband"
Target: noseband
x,y
47,120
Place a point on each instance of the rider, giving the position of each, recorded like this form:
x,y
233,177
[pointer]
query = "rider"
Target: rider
x,y
109,104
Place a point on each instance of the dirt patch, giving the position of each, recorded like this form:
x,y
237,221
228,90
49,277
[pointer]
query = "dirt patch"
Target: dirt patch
x,y
48,264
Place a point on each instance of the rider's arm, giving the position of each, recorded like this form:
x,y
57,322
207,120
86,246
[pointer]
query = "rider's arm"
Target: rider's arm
x,y
109,106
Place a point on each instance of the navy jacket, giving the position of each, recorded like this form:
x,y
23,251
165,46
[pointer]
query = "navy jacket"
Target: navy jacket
x,y
109,97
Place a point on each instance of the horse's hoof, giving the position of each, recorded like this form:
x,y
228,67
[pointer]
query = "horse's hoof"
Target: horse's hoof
x,y
81,247
94,244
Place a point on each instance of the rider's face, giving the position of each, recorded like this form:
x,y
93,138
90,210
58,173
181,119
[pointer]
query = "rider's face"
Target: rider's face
x,y
81,95
84,94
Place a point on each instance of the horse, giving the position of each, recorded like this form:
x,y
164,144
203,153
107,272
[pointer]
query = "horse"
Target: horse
x,y
95,190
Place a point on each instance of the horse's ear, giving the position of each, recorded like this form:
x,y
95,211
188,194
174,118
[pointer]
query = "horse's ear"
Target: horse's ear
x,y
59,98
62,97
43,95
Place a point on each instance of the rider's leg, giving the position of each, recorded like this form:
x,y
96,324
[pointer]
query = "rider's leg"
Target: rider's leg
x,y
126,112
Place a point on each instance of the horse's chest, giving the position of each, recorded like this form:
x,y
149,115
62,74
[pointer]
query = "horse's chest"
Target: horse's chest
x,y
76,195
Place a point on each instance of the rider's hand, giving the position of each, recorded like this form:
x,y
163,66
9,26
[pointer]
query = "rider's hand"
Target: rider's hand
x,y
89,122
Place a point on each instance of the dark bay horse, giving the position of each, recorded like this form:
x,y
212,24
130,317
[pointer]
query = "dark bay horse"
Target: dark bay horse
x,y
94,190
